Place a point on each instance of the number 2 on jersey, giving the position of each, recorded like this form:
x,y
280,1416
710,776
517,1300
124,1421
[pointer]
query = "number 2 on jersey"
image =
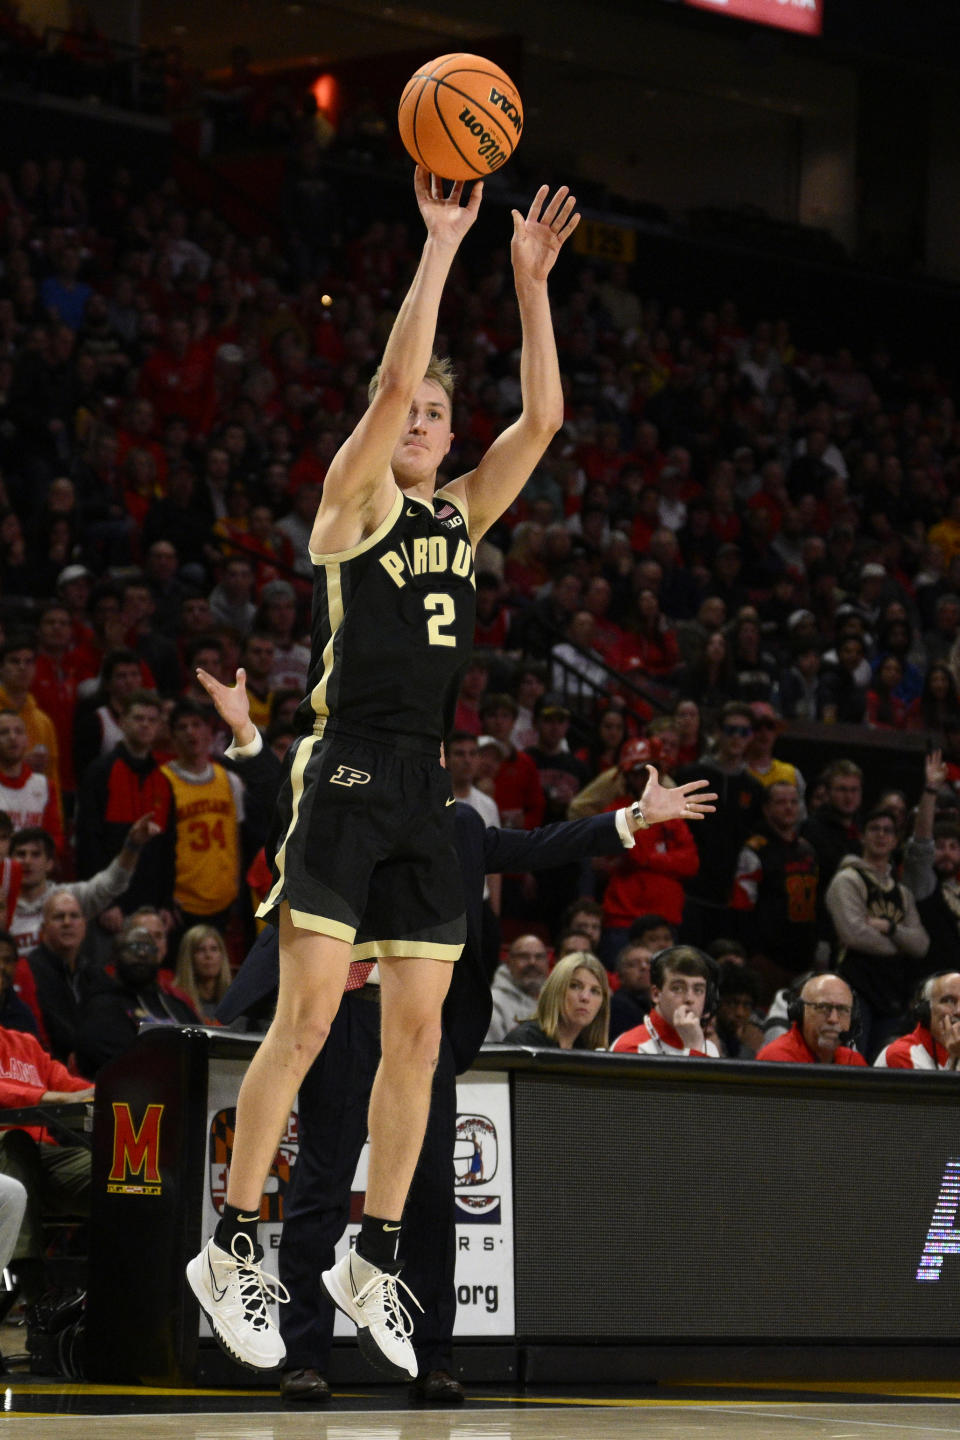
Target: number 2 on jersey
x,y
446,615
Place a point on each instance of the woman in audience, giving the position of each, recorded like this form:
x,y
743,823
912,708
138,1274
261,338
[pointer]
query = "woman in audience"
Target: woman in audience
x,y
604,747
573,1011
885,709
650,646
203,969
686,720
939,701
709,680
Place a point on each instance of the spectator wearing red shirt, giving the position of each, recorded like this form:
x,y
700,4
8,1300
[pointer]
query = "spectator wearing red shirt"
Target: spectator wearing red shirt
x,y
178,379
821,1017
55,682
649,876
646,521
608,637
886,710
470,700
493,617
138,432
311,466
651,647
524,570
516,787
27,797
56,1178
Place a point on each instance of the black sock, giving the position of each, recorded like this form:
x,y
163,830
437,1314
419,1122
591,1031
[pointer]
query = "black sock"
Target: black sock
x,y
379,1241
235,1222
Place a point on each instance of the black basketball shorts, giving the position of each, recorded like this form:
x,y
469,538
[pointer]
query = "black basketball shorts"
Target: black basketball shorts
x,y
365,849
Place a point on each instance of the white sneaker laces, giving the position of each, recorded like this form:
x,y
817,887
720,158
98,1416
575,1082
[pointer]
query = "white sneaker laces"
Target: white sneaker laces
x,y
388,1304
255,1285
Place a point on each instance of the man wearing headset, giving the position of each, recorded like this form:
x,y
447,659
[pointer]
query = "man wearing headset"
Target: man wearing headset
x,y
683,983
821,1019
934,1044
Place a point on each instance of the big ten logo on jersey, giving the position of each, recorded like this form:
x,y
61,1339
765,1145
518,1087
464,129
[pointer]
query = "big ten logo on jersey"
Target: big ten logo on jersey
x,y
135,1167
278,1180
475,1156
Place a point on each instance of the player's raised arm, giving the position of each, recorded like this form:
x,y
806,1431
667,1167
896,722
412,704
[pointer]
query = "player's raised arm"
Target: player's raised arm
x,y
358,489
507,465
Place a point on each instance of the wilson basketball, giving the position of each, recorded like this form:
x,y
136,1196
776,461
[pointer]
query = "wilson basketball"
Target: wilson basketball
x,y
460,117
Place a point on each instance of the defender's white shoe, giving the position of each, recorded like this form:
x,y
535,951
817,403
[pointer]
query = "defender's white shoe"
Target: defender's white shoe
x,y
369,1297
233,1292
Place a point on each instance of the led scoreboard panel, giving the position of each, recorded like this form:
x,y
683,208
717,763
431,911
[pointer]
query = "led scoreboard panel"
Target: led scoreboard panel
x,y
805,16
736,1201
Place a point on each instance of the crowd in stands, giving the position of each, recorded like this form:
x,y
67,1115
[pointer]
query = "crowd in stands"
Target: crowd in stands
x,y
729,534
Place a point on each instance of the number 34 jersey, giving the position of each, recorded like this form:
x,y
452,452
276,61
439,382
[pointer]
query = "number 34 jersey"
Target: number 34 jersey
x,y
393,622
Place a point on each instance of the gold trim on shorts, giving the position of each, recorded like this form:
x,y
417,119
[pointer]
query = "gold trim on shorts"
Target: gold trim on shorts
x,y
406,950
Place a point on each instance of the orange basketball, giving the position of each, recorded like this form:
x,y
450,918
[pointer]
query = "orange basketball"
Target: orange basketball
x,y
460,117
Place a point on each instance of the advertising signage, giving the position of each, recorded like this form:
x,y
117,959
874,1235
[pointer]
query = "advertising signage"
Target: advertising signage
x,y
804,16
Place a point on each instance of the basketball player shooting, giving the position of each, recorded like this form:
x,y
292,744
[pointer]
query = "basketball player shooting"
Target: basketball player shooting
x,y
365,865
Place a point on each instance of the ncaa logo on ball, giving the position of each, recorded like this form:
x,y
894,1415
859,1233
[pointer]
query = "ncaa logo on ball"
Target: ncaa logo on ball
x,y
504,103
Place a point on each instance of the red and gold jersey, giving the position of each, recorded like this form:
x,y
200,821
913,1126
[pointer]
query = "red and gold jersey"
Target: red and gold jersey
x,y
208,840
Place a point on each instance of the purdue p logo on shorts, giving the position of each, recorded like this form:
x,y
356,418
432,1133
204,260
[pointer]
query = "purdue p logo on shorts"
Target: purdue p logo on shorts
x,y
346,775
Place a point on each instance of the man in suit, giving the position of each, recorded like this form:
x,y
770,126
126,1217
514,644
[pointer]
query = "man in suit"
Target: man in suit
x,y
334,1094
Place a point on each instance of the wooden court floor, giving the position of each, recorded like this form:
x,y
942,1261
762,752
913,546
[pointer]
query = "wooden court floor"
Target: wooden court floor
x,y
53,1410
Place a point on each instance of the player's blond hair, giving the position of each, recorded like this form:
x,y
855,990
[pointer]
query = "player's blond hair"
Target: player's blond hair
x,y
440,371
554,993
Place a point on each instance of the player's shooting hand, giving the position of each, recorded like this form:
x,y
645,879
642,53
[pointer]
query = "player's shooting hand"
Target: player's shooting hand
x,y
687,1024
445,218
680,802
232,703
538,237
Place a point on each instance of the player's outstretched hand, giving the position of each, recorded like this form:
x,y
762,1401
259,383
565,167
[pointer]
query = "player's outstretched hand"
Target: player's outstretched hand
x,y
231,701
691,801
445,218
538,237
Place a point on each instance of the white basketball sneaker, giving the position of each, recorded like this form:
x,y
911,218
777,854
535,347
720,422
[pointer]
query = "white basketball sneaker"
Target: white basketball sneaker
x,y
233,1292
369,1297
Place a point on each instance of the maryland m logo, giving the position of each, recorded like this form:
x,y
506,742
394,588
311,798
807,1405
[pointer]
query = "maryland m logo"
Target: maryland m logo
x,y
136,1152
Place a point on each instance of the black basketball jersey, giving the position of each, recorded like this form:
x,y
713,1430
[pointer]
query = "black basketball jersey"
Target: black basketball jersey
x,y
393,621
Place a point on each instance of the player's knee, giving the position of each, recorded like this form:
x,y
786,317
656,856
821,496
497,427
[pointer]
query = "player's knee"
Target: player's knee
x,y
417,1044
308,1029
